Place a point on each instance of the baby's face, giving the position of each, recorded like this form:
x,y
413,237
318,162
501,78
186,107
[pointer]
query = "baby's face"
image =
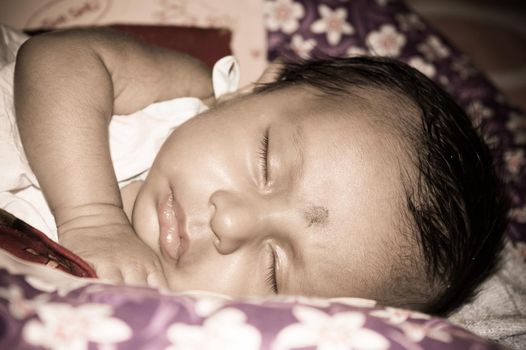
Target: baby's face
x,y
318,202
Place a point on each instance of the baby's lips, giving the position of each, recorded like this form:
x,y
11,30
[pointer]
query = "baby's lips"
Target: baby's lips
x,y
169,238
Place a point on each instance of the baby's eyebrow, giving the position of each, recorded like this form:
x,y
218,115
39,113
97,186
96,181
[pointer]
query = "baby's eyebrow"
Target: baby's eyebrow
x,y
316,215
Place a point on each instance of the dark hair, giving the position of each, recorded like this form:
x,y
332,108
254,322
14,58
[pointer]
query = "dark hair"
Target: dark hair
x,y
457,207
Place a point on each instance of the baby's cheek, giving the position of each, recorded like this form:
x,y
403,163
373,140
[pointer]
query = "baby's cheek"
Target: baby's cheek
x,y
145,221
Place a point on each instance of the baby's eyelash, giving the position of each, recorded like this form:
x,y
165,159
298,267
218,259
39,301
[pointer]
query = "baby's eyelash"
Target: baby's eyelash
x,y
263,155
271,279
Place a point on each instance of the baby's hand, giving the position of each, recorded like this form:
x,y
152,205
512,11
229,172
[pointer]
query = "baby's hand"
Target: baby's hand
x,y
115,252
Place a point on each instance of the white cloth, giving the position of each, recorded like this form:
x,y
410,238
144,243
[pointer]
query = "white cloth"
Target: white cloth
x,y
135,139
499,310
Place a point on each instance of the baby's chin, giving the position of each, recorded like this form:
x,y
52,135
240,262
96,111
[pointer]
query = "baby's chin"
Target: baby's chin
x,y
129,195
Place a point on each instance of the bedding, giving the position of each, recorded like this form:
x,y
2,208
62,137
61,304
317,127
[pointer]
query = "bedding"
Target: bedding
x,y
43,307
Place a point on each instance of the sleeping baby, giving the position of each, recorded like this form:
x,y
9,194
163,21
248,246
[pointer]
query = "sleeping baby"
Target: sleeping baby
x,y
329,178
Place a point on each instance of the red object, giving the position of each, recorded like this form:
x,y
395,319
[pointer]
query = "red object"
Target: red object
x,y
28,243
207,44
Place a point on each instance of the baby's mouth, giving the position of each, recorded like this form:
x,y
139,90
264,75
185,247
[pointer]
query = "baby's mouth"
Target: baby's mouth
x,y
172,238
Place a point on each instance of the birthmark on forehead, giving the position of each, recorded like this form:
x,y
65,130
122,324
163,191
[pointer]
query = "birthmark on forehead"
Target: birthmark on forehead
x,y
316,215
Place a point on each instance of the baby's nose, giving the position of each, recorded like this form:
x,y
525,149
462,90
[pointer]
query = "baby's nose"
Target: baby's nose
x,y
236,220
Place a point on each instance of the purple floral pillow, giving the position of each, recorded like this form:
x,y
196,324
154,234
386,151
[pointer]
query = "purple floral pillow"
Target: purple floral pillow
x,y
36,314
300,28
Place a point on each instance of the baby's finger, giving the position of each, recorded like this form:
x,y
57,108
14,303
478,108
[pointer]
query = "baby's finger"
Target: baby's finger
x,y
135,278
157,279
110,274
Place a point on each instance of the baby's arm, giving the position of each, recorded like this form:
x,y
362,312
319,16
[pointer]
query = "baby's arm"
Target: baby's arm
x,y
67,86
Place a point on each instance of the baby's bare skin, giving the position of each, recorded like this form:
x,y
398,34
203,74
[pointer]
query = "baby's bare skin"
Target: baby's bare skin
x,y
128,194
67,87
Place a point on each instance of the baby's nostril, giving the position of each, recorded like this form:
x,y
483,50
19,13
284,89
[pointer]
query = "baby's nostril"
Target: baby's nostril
x,y
213,227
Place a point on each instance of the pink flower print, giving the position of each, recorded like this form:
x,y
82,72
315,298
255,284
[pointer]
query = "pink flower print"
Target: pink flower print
x,y
333,23
301,46
514,161
170,9
478,112
417,332
62,326
19,306
205,307
344,330
433,48
517,125
386,41
226,329
421,65
398,316
283,15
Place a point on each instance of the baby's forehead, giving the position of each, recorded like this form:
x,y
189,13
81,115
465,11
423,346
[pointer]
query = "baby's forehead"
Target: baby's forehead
x,y
380,106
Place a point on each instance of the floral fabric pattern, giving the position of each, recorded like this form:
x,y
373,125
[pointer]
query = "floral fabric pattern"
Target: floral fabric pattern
x,y
389,28
283,15
63,326
34,315
332,23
